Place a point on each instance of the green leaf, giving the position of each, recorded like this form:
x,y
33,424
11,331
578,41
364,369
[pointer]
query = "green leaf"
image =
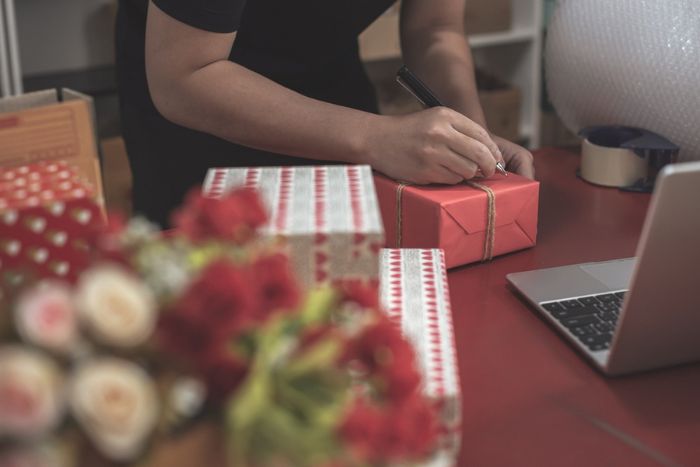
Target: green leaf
x,y
288,409
319,305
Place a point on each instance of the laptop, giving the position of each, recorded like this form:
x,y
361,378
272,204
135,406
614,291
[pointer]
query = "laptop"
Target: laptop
x,y
638,313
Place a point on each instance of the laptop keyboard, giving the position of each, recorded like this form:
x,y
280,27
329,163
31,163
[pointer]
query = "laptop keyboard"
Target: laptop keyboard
x,y
591,319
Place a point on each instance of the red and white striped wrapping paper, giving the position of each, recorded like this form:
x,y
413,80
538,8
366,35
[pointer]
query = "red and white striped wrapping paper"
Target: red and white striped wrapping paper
x,y
328,216
415,295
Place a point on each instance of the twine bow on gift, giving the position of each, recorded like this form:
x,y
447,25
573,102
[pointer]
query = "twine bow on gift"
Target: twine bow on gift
x,y
490,239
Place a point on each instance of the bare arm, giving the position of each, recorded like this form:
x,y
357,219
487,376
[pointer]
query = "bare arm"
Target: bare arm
x,y
434,44
193,84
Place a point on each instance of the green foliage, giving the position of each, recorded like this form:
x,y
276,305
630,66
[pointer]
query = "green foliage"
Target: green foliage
x,y
293,399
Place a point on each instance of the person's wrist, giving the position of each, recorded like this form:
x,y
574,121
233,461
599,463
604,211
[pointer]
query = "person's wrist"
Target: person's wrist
x,y
366,139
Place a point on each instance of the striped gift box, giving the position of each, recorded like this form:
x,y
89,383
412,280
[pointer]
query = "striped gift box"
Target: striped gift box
x,y
415,295
327,216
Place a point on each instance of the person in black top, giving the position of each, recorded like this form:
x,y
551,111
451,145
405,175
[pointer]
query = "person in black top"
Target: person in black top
x,y
212,83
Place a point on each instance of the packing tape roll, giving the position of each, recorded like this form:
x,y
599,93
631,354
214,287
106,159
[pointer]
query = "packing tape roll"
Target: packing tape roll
x,y
614,167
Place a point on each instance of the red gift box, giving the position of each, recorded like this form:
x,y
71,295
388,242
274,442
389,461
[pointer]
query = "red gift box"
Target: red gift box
x,y
47,215
472,221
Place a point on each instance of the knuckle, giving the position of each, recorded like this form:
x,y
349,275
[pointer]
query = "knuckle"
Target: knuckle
x,y
470,172
427,151
482,155
435,130
487,156
448,115
443,112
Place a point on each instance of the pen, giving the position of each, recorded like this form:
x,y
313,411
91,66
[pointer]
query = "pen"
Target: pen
x,y
425,96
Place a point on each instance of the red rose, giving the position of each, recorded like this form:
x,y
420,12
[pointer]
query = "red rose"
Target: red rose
x,y
211,360
216,307
234,217
223,373
411,429
277,287
222,297
383,353
105,239
361,430
183,336
363,294
392,432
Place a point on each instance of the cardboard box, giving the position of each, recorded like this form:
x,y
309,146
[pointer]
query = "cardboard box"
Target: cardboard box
x,y
51,125
500,101
327,217
118,182
464,220
487,16
416,297
502,105
554,132
48,215
381,39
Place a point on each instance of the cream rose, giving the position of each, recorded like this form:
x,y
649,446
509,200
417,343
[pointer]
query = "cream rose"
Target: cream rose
x,y
31,393
115,306
45,315
116,404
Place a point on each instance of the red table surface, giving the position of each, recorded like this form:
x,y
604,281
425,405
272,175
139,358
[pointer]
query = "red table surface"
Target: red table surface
x,y
528,397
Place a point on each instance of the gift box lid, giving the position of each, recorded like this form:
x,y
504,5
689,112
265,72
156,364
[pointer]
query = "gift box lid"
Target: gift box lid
x,y
40,183
303,200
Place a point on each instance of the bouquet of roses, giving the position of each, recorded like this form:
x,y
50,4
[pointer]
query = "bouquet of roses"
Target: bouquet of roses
x,y
165,334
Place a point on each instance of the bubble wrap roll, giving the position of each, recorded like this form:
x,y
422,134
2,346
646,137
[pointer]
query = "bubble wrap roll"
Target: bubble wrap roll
x,y
627,62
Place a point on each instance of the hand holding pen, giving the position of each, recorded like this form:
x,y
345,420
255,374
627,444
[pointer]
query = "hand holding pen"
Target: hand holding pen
x,y
425,96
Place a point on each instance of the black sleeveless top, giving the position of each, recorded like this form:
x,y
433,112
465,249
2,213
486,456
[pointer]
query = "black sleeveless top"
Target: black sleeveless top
x,y
309,46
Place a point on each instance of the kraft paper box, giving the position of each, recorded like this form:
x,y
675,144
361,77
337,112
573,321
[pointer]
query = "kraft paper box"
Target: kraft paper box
x,y
380,41
47,215
51,125
415,295
488,16
471,222
327,216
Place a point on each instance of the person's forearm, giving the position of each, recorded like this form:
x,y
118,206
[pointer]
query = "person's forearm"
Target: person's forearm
x,y
236,104
442,58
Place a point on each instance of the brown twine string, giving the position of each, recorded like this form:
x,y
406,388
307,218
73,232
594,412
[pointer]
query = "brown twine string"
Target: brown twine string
x,y
490,220
490,239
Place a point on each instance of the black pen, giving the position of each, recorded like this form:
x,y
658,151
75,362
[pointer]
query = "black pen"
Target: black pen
x,y
425,96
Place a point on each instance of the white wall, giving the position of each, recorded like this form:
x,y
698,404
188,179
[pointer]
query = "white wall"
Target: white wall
x,y
63,35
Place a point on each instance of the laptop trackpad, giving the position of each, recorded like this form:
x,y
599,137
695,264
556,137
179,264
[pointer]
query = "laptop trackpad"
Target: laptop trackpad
x,y
614,274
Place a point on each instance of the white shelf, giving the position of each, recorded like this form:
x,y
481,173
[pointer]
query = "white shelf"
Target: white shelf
x,y
513,36
514,55
527,132
391,49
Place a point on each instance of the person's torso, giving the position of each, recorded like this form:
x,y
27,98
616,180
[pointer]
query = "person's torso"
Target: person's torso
x,y
309,46
302,44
